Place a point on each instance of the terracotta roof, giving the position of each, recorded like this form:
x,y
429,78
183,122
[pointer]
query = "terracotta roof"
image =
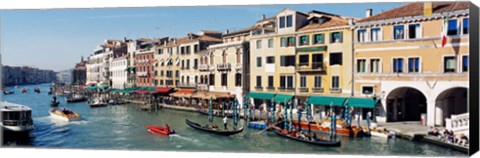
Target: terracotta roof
x,y
415,9
210,31
333,21
188,40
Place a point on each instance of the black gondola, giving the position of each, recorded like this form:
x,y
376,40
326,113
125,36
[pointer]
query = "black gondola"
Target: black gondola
x,y
332,143
54,103
205,112
199,127
7,92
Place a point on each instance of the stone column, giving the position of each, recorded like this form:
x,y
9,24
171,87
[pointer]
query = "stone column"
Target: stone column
x,y
439,112
430,112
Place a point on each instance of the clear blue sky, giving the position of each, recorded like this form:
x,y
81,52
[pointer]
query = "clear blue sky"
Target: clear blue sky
x,y
57,38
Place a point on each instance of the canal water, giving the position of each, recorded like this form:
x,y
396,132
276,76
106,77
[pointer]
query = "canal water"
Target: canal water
x,y
122,127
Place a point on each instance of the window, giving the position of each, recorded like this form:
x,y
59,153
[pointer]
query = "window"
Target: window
x,y
212,79
336,37
398,65
367,90
224,57
289,21
414,31
361,65
465,26
282,82
224,80
287,60
259,81
196,79
398,32
318,82
375,65
318,38
303,40
270,60
335,82
239,56
195,63
290,41
188,64
452,27
362,35
259,61
155,82
289,81
238,79
465,64
449,64
413,64
259,44
282,22
195,48
177,73
303,61
270,81
270,43
335,58
283,42
155,73
303,81
183,64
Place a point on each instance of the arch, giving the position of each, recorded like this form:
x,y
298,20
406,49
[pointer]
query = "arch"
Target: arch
x,y
405,104
451,101
224,57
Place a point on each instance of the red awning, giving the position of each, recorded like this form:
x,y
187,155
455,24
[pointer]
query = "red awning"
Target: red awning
x,y
163,90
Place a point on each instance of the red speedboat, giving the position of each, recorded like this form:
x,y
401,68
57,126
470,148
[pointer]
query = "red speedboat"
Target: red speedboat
x,y
160,130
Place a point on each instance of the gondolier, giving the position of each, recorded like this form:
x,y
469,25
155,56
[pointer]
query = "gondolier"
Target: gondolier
x,y
225,119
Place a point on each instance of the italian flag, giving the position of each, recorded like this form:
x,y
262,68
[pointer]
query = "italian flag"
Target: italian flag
x,y
444,31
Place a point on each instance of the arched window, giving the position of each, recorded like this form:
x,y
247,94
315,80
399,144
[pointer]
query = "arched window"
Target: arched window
x,y
239,56
224,57
211,59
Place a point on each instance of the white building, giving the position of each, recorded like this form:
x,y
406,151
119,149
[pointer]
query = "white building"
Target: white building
x,y
65,76
118,71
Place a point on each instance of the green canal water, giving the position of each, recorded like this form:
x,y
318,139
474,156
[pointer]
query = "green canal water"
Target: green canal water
x,y
122,127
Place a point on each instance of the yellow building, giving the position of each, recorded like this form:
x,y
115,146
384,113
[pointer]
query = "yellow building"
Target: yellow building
x,y
399,58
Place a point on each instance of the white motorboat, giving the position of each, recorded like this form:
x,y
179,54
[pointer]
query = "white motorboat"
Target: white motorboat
x,y
15,117
64,114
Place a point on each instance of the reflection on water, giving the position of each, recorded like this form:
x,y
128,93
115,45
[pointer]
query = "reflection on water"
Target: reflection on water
x,y
124,127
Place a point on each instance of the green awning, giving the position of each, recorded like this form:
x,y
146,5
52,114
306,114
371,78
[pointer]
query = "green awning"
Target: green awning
x,y
262,96
280,98
324,100
362,102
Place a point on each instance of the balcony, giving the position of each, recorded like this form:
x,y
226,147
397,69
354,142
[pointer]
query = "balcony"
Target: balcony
x,y
335,90
258,88
303,89
223,67
317,90
203,67
238,67
202,87
310,67
286,89
458,123
187,85
270,88
142,74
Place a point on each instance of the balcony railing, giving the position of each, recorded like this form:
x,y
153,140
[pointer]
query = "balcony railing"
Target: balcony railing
x,y
335,90
314,66
142,74
202,87
203,67
258,88
303,89
238,67
286,89
187,85
317,89
223,67
270,88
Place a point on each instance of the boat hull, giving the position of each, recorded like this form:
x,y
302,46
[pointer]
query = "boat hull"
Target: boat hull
x,y
218,132
354,132
330,143
158,130
98,105
63,118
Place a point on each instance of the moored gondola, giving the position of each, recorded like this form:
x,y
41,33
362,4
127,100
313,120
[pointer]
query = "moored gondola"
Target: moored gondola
x,y
319,142
205,112
214,131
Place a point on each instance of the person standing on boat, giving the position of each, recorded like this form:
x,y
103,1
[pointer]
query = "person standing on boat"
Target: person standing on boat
x,y
225,119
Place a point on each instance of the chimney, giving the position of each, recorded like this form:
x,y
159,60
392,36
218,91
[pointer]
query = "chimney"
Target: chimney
x,y
350,21
427,9
368,13
263,16
174,41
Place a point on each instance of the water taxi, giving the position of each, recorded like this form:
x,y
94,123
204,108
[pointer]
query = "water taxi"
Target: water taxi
x,y
15,117
64,114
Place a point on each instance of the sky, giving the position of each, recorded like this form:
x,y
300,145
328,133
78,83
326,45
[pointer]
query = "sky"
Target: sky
x,y
57,38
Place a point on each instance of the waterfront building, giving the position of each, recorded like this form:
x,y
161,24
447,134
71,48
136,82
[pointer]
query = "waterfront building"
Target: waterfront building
x,y
306,54
17,75
65,76
118,68
146,62
80,73
400,59
98,71
168,69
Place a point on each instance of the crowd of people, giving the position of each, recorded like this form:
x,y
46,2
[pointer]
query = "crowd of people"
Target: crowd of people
x,y
448,136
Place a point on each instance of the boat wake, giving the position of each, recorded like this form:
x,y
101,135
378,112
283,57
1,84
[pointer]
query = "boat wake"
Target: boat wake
x,y
80,122
196,141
